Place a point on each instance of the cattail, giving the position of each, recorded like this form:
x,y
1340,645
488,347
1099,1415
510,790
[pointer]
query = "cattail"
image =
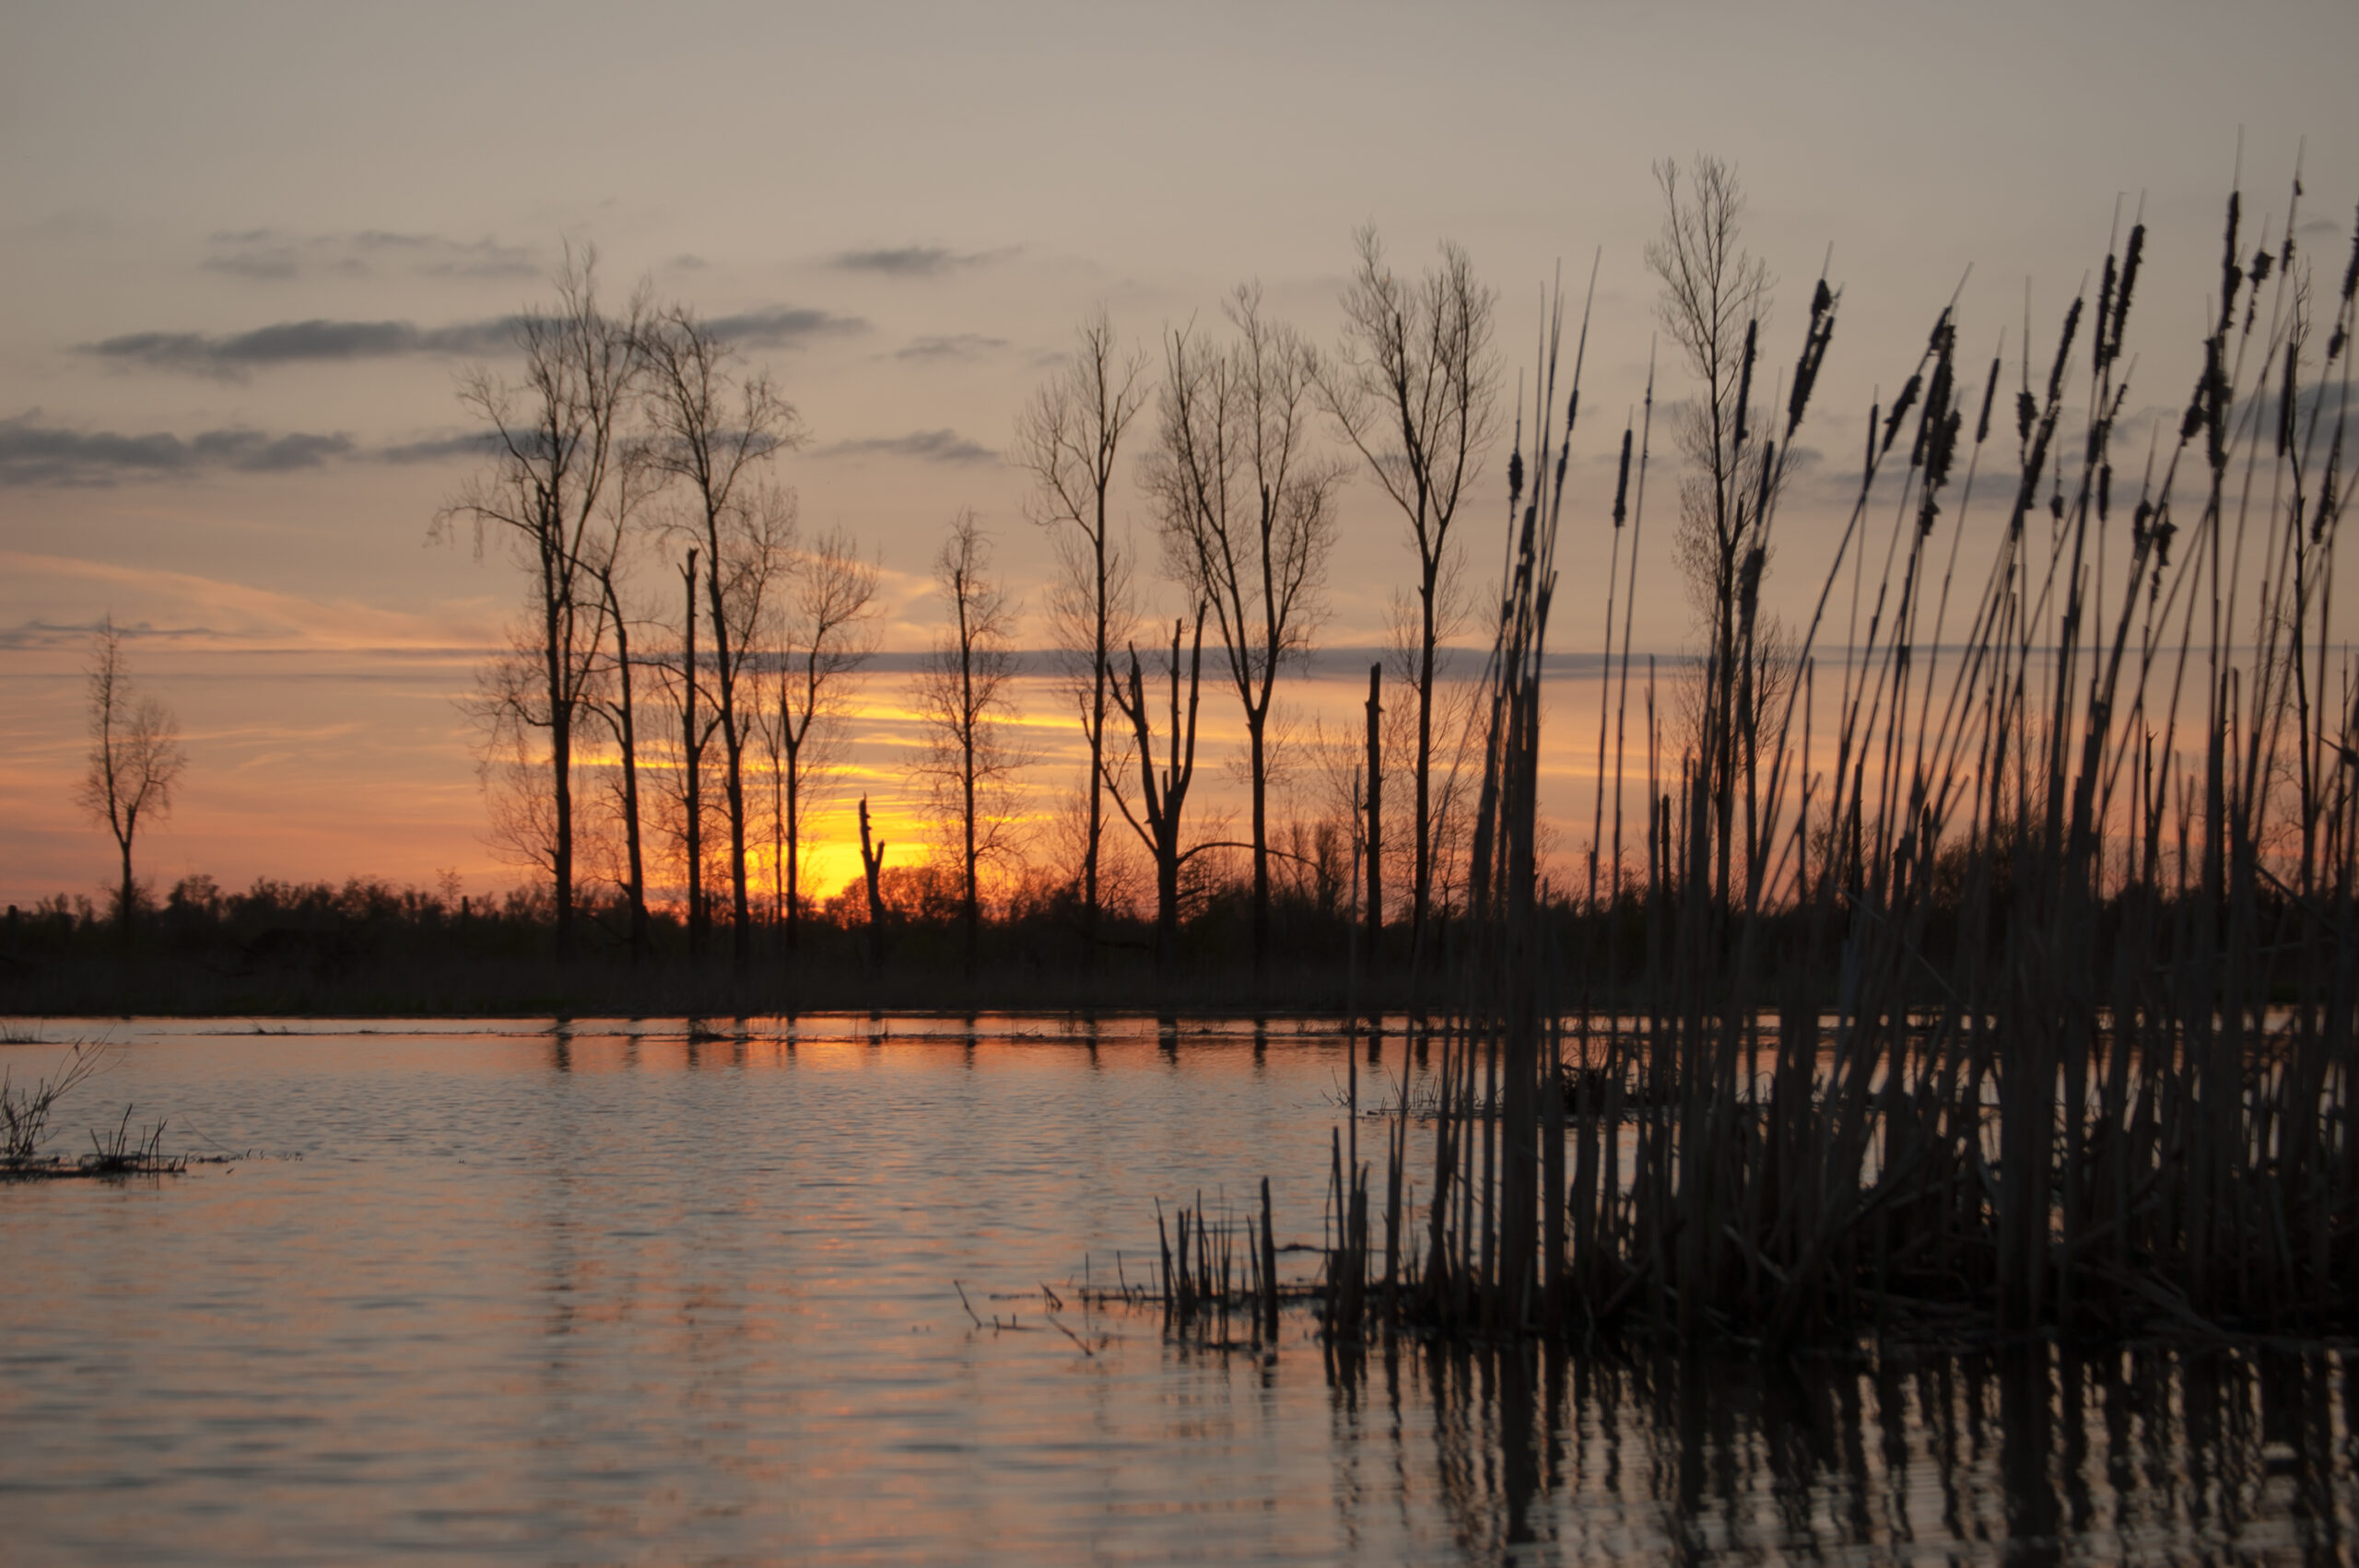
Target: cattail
x,y
2105,491
1821,334
2129,281
1901,406
1745,379
1768,469
2231,275
1874,419
2350,272
2138,521
2063,352
2025,412
2193,419
1515,476
2261,262
2285,404
2215,403
1938,396
1622,483
1989,393
2104,313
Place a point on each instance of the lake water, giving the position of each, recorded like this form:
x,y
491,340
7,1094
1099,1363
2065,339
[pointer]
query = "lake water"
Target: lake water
x,y
491,1293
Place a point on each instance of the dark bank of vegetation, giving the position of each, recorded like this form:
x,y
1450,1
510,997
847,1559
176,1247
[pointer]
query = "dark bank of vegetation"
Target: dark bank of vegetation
x,y
2036,1010
371,948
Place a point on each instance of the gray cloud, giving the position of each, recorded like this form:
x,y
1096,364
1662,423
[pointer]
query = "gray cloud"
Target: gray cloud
x,y
439,448
236,355
784,326
928,446
291,343
907,260
955,346
271,255
36,454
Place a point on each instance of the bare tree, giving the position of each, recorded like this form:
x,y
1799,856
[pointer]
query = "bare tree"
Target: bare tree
x,y
1068,439
826,635
1414,387
554,435
1163,796
678,674
135,759
969,759
614,692
1246,511
712,428
616,701
1714,293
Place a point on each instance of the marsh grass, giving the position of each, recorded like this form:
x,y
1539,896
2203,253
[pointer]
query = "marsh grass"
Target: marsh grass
x,y
2034,1010
25,1118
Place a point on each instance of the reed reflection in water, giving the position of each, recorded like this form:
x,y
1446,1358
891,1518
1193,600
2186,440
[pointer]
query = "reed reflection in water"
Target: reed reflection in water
x,y
2033,1455
640,1294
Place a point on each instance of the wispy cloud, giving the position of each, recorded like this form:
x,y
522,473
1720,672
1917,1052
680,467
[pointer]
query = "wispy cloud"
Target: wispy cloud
x,y
953,345
197,611
273,255
926,446
439,448
910,261
296,342
234,355
785,326
35,454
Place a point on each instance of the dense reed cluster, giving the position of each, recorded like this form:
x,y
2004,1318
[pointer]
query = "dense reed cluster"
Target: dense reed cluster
x,y
2020,995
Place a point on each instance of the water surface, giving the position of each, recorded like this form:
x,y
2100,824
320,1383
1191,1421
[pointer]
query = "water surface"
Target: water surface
x,y
494,1292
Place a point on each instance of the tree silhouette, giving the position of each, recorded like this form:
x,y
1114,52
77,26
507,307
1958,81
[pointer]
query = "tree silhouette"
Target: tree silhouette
x,y
555,435
969,761
825,637
1414,388
1247,512
135,759
1068,437
712,429
1163,797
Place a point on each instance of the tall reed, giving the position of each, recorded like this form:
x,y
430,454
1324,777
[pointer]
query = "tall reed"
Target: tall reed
x,y
2022,993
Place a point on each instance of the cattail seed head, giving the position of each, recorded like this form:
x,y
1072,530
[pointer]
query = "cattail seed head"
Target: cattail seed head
x,y
2130,260
1744,378
2350,272
2285,404
1989,393
2063,352
2104,313
2230,274
1901,406
1622,483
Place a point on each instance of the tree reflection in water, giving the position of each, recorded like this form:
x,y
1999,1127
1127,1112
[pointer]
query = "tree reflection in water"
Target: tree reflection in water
x,y
2031,1454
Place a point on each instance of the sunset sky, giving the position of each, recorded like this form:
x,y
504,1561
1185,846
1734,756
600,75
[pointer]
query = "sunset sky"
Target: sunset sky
x,y
249,248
